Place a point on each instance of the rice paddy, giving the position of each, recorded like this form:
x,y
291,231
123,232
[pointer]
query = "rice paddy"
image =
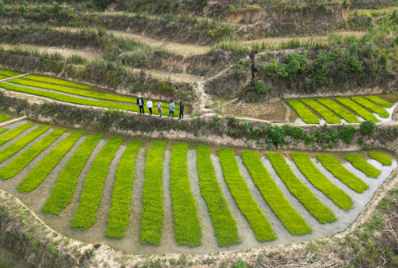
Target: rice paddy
x,y
359,163
362,112
382,158
303,112
346,115
379,101
4,118
9,73
56,81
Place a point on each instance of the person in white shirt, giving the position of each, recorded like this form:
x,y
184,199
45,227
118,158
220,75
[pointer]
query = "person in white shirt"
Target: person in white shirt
x,y
149,106
159,105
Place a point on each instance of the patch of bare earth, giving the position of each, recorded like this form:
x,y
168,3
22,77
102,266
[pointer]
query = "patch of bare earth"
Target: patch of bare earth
x,y
273,111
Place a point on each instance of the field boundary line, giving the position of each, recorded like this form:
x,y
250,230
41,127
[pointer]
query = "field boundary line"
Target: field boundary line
x,y
14,77
12,121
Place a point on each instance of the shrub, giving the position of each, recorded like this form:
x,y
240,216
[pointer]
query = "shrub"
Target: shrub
x,y
353,49
277,134
367,127
271,68
346,133
260,88
369,49
298,132
360,140
239,264
331,146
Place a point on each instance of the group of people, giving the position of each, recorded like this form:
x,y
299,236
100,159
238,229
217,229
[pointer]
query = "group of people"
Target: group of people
x,y
149,105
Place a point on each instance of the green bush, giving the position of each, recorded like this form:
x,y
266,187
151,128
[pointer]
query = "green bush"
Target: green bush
x,y
271,68
360,140
346,133
277,134
331,146
260,88
298,132
239,264
367,127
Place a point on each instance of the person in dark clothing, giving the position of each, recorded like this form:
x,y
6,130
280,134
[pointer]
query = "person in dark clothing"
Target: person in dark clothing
x,y
140,103
181,110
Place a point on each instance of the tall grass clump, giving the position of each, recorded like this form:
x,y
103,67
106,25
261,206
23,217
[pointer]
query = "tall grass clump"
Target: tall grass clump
x,y
241,193
15,132
76,59
21,143
121,196
359,163
321,212
358,109
382,158
379,101
37,175
4,118
338,196
186,221
371,106
303,112
274,197
346,115
224,223
94,184
339,171
55,81
152,213
64,188
16,165
329,116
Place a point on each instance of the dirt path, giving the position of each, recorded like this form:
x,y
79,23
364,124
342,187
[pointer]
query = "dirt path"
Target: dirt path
x,y
164,75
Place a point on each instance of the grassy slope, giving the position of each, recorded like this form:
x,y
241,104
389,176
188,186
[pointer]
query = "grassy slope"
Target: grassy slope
x,y
371,106
300,191
152,213
274,197
63,190
338,196
118,217
358,109
339,171
56,81
37,175
358,162
379,101
324,112
303,112
186,221
241,193
94,184
382,158
4,118
16,165
15,132
224,223
346,115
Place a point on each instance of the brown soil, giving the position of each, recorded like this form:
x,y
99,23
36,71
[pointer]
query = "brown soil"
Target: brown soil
x,y
274,111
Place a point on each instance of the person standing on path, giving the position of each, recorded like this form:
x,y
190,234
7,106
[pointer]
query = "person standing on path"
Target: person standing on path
x,y
171,108
140,103
159,105
149,105
181,111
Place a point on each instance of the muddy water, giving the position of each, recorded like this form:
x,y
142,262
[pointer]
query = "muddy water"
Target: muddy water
x,y
131,242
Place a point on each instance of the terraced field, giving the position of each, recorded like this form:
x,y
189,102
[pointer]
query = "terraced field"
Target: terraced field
x,y
343,110
179,197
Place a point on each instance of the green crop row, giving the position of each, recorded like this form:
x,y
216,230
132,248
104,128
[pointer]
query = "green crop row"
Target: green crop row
x,y
303,112
37,175
338,196
346,115
3,77
325,113
56,81
382,158
121,196
2,130
224,223
186,221
339,171
380,101
152,199
63,190
15,132
4,117
358,109
76,100
94,184
21,143
300,191
274,197
241,193
359,163
371,106
9,73
16,165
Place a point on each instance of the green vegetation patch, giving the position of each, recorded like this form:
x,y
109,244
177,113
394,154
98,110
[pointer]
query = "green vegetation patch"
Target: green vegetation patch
x,y
300,191
4,117
2,130
186,221
358,109
76,100
16,165
3,77
382,158
56,81
325,113
63,190
21,143
241,193
9,73
224,223
15,132
339,171
338,196
121,197
152,199
346,115
379,101
274,197
359,163
303,112
371,106
37,175
94,184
